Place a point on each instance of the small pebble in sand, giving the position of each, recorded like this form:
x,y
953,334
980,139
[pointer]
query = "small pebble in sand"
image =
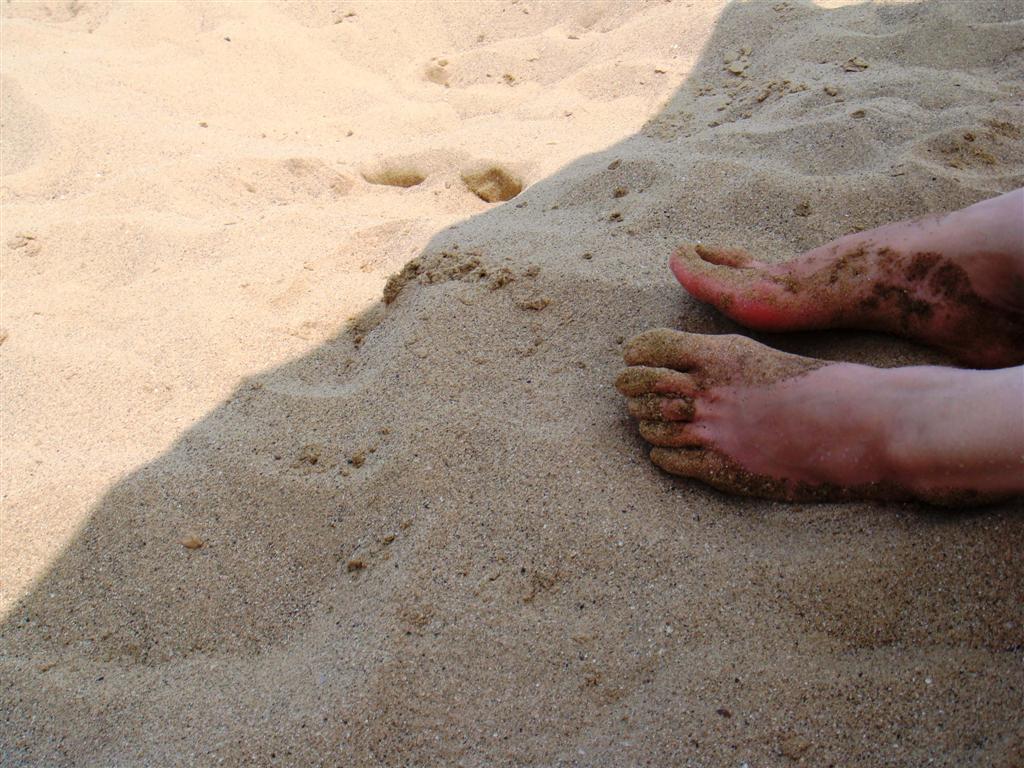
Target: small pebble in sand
x,y
856,64
192,542
620,192
355,564
203,124
615,216
588,256
614,164
831,90
357,459
387,539
858,114
723,712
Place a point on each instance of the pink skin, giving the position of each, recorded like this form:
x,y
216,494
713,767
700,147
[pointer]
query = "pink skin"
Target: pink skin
x,y
853,425
917,263
752,420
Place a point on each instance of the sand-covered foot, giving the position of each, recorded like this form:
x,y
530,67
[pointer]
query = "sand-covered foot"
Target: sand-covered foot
x,y
954,281
751,420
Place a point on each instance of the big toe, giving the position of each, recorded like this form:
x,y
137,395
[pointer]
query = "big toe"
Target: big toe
x,y
665,348
712,274
750,292
716,276
724,257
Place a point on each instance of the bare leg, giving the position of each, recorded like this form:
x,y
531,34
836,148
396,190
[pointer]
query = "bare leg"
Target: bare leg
x,y
751,420
954,281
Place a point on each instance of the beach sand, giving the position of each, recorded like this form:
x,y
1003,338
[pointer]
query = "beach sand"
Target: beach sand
x,y
254,515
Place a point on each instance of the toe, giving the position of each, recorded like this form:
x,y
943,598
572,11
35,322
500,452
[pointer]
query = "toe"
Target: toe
x,y
673,434
724,257
700,463
689,462
748,291
642,380
707,280
665,348
655,408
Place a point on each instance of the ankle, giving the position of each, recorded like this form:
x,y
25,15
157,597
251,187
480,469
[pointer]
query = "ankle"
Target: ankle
x,y
956,430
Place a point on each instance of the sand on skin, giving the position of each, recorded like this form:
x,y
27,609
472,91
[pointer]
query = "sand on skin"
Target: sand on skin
x,y
252,514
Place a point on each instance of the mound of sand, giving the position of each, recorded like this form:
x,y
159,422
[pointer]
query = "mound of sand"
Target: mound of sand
x,y
254,514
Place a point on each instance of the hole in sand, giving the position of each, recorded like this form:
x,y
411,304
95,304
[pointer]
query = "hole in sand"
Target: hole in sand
x,y
393,175
492,183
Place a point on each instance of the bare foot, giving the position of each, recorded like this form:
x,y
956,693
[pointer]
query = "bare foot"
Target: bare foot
x,y
748,419
954,281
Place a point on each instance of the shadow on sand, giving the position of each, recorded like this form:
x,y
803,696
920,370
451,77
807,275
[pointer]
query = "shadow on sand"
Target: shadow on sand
x,y
411,540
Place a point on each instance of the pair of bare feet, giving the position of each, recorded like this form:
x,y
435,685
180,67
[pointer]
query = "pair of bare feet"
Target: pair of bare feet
x,y
752,420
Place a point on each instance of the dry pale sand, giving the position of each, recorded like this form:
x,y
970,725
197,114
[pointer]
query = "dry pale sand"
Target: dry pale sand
x,y
430,535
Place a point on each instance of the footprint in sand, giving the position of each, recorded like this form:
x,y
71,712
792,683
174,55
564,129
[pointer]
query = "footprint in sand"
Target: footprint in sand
x,y
436,71
58,12
492,182
280,181
989,143
24,128
394,173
